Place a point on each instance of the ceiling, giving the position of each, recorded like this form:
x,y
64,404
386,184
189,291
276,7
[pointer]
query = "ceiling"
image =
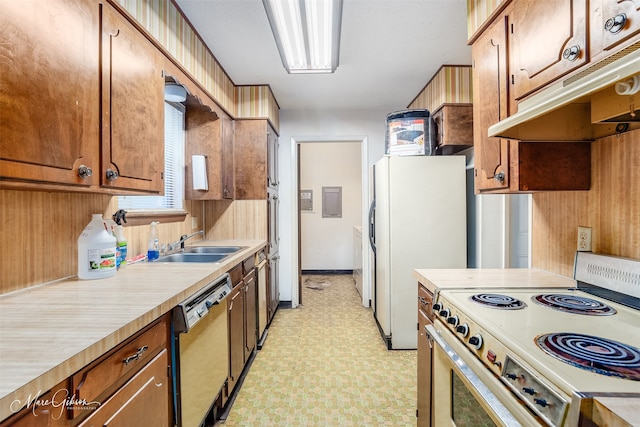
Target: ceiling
x,y
389,50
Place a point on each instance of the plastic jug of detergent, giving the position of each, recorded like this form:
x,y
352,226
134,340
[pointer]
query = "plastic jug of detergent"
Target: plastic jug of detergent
x,y
96,250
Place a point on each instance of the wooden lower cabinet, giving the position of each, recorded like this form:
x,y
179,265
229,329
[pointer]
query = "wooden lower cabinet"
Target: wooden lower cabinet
x,y
128,386
235,304
250,313
242,315
425,316
42,415
144,400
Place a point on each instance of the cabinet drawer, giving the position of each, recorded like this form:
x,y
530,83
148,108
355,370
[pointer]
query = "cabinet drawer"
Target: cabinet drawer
x,y
144,400
236,274
248,265
425,301
99,379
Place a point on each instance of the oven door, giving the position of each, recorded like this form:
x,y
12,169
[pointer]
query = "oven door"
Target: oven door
x,y
465,393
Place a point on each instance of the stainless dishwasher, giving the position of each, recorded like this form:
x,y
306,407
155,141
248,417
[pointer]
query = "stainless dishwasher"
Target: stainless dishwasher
x,y
201,351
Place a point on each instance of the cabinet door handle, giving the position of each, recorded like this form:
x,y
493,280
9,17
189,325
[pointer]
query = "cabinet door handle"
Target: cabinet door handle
x,y
111,175
136,356
616,24
571,53
84,171
499,177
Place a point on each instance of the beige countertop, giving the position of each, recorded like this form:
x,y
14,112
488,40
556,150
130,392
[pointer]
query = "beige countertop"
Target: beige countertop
x,y
433,279
49,332
616,411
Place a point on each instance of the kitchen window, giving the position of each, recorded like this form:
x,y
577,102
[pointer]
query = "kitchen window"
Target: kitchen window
x,y
173,200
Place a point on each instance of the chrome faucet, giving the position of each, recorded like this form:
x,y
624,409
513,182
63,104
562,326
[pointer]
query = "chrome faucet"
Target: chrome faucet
x,y
185,237
180,243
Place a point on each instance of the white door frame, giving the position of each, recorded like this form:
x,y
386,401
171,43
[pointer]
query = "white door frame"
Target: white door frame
x,y
364,153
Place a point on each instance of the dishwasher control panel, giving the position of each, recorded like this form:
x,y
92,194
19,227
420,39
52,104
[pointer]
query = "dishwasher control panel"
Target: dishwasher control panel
x,y
190,311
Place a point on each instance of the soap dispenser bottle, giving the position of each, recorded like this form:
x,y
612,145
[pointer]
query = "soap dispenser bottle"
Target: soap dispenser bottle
x,y
153,251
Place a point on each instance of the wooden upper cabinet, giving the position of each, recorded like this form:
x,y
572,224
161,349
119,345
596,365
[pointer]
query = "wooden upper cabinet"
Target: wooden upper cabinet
x,y
132,106
615,24
228,172
49,91
548,39
203,137
490,105
250,159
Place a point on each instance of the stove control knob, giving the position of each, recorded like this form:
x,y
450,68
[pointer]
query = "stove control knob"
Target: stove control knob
x,y
445,313
476,341
453,320
463,330
541,402
437,307
529,390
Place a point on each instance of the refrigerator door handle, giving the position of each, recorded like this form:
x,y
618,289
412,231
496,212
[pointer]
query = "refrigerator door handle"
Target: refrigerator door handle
x,y
372,226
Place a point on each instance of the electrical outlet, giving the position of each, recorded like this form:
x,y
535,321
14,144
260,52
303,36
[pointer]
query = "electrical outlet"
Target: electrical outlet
x,y
194,222
584,239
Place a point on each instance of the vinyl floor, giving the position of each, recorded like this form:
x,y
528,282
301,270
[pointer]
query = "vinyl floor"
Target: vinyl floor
x,y
325,364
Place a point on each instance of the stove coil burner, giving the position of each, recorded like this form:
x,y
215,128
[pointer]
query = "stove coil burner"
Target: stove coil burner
x,y
498,301
574,304
600,355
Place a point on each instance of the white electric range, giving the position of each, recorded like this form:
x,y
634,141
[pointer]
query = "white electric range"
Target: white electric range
x,y
552,349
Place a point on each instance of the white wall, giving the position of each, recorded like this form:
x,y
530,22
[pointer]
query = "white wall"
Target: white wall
x,y
322,125
327,243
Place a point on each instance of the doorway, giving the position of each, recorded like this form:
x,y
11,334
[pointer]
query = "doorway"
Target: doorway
x,y
323,243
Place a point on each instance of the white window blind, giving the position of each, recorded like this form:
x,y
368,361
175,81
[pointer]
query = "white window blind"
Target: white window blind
x,y
173,166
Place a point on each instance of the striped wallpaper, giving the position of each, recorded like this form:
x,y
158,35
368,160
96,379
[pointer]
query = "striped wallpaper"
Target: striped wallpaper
x,y
477,13
257,101
452,84
166,24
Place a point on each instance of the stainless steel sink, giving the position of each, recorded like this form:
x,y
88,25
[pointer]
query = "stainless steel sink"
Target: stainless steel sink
x,y
213,250
192,257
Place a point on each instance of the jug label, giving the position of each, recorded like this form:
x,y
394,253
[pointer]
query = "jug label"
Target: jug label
x,y
102,259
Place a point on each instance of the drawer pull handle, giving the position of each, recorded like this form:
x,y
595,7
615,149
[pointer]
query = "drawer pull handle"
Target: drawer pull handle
x,y
136,356
616,24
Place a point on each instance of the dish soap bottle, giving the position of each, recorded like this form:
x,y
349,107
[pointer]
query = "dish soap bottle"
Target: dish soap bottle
x,y
96,250
122,246
153,251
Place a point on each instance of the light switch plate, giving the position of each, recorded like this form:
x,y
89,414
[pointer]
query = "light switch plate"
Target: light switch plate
x,y
584,239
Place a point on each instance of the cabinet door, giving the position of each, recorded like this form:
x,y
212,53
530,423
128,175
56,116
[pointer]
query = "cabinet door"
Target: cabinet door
x,y
490,105
273,202
250,314
132,107
614,25
203,137
250,158
49,91
273,287
228,135
144,400
424,372
548,38
236,334
272,157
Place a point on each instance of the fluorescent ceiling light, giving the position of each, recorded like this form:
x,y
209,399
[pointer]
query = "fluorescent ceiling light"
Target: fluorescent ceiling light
x,y
307,33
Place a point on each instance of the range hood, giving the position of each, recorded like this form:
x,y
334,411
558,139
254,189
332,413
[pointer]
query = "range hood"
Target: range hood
x,y
569,102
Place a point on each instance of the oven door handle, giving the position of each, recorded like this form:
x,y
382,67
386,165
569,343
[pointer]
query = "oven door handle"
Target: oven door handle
x,y
491,399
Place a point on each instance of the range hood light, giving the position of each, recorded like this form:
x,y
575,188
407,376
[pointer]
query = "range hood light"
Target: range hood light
x,y
630,86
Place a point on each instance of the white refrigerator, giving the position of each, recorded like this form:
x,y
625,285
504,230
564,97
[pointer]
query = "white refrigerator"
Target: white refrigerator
x,y
417,220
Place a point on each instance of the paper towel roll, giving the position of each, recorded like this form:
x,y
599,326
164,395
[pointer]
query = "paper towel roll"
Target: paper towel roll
x,y
199,163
